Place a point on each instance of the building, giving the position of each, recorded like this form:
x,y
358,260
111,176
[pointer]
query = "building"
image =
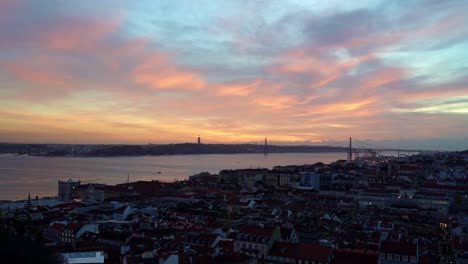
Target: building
x,y
375,197
316,181
67,189
286,252
83,257
271,180
392,252
73,231
284,179
52,233
256,241
310,179
121,213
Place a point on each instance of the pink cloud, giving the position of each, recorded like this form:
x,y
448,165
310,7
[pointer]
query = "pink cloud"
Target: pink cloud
x,y
158,72
35,75
79,34
384,77
237,89
441,92
303,62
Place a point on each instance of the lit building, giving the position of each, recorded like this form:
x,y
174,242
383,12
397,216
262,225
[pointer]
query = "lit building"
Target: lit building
x,y
317,181
84,257
67,189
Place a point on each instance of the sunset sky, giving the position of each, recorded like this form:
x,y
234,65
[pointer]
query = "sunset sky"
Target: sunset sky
x,y
297,72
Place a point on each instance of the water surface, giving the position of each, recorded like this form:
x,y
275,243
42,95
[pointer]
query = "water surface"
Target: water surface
x,y
20,175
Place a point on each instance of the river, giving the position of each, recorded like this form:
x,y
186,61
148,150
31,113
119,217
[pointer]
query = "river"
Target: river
x,y
20,175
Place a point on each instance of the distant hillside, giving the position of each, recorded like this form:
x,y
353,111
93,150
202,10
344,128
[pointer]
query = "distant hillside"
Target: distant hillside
x,y
156,150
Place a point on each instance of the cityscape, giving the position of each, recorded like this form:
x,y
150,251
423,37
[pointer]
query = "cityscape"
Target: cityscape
x,y
371,209
238,132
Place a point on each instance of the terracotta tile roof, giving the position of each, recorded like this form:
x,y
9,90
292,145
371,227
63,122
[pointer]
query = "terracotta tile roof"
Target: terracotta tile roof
x,y
402,248
68,205
311,252
57,226
227,245
74,227
232,258
257,231
351,256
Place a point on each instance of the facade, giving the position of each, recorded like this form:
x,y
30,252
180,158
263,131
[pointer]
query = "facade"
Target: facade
x,y
121,213
392,252
73,231
316,181
271,180
256,241
375,197
440,203
52,233
84,257
310,179
284,179
67,189
93,195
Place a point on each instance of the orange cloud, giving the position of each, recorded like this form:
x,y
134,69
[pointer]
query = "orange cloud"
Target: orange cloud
x,y
334,109
237,89
281,101
159,73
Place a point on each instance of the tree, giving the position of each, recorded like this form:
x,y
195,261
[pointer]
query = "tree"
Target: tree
x,y
18,249
458,199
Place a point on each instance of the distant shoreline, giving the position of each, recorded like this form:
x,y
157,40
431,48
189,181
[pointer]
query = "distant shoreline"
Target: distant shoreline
x,y
59,150
163,155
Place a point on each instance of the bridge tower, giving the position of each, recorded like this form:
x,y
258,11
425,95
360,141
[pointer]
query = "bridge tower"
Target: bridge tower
x,y
350,150
265,148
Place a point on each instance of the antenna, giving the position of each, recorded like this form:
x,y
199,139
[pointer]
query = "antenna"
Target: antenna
x,y
128,177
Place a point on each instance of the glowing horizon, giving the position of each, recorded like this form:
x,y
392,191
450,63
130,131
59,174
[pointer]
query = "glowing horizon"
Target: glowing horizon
x,y
134,72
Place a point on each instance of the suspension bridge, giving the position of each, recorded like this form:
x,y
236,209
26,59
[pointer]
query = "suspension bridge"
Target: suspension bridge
x,y
359,148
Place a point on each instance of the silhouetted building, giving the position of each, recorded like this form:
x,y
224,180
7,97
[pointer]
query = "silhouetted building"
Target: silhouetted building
x,y
67,189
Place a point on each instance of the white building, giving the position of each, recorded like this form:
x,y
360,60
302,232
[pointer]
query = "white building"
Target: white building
x,y
310,179
316,181
83,257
